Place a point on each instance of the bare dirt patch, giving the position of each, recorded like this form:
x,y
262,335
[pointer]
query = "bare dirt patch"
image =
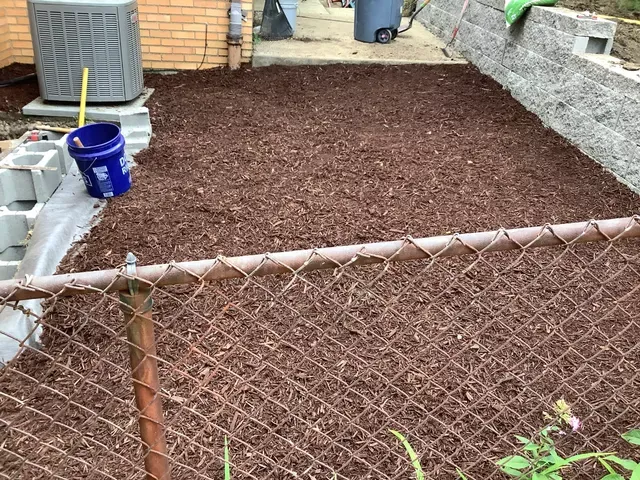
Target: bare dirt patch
x,y
627,41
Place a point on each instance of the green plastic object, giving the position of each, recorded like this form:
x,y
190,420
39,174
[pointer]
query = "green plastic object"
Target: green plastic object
x,y
514,9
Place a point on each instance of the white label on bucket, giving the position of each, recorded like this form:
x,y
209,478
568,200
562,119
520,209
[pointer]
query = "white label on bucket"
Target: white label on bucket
x,y
107,194
104,180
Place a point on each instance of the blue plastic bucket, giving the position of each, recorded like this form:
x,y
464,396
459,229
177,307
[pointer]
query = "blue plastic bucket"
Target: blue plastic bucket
x,y
102,160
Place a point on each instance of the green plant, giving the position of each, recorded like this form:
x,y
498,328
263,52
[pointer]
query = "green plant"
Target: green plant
x,y
227,463
632,437
460,474
629,5
415,461
538,458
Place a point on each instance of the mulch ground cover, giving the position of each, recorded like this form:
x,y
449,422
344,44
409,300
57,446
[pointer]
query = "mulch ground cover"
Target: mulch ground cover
x,y
307,377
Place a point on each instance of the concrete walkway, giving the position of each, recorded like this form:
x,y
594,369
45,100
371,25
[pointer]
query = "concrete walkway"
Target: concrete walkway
x,y
325,35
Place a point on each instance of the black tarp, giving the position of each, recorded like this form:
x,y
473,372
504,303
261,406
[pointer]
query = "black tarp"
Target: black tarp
x,y
275,25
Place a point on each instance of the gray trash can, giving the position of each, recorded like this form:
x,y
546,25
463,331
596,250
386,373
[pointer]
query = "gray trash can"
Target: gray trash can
x,y
377,20
290,9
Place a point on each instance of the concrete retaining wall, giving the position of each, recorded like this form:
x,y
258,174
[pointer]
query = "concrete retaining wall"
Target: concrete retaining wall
x,y
558,66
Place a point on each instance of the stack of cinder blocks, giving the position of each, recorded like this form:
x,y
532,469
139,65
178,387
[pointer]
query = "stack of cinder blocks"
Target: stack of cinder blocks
x,y
28,177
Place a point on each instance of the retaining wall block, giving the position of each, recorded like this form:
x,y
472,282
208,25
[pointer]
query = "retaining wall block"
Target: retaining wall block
x,y
15,225
607,147
442,20
485,64
485,42
29,185
547,42
608,71
567,21
487,18
623,81
497,4
603,104
629,120
453,7
633,174
532,98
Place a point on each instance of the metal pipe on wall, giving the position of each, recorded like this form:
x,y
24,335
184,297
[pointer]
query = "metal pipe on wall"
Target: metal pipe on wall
x,y
234,37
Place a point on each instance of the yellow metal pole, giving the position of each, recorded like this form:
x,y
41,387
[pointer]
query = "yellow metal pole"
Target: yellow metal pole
x,y
83,96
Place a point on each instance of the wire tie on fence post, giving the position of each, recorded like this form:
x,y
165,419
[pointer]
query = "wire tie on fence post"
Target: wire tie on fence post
x,y
131,272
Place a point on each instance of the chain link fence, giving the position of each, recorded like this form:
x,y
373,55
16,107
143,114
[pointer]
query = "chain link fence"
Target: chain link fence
x,y
306,360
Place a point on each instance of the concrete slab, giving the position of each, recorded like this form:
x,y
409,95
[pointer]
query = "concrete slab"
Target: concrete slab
x,y
311,8
325,36
105,113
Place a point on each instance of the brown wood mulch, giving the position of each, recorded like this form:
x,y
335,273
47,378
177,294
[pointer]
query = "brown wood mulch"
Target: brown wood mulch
x,y
309,376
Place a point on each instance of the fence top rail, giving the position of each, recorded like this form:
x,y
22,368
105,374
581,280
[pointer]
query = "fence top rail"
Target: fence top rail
x,y
322,258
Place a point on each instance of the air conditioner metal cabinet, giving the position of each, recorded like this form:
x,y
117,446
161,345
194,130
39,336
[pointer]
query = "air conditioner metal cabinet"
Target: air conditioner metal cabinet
x,y
103,35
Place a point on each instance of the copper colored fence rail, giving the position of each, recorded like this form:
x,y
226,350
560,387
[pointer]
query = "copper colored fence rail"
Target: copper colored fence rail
x,y
306,359
325,258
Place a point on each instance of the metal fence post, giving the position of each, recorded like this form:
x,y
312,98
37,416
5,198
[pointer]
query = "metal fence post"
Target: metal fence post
x,y
136,304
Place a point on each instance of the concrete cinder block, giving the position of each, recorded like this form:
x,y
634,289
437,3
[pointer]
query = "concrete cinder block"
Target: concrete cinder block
x,y
629,120
42,146
600,46
13,230
10,261
8,269
485,42
15,224
567,21
590,97
29,185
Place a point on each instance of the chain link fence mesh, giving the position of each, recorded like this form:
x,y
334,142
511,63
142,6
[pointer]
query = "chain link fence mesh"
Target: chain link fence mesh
x,y
307,372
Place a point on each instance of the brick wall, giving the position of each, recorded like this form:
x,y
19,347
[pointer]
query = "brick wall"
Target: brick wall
x,y
5,42
173,33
